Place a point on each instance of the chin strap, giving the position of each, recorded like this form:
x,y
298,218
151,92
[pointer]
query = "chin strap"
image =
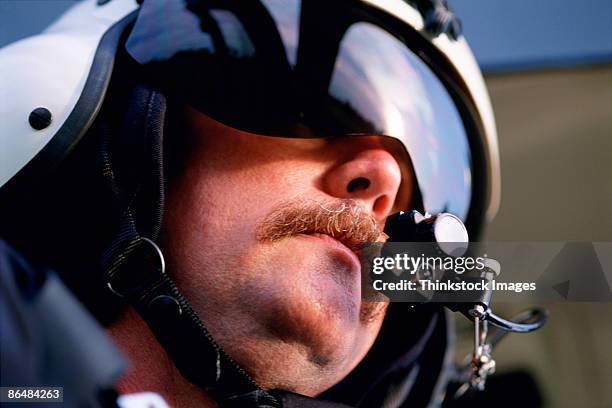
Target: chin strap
x,y
134,266
179,330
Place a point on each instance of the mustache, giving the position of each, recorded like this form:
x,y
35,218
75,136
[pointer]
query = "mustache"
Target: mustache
x,y
345,220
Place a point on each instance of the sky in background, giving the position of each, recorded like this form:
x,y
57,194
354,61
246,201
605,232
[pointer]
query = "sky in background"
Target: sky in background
x,y
526,33
504,35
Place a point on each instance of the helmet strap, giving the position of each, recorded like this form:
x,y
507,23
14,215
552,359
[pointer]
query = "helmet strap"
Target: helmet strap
x,y
134,266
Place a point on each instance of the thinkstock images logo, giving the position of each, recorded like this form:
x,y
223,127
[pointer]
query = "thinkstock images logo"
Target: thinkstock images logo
x,y
532,271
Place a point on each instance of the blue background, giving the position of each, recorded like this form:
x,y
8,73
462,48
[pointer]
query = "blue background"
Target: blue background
x,y
504,35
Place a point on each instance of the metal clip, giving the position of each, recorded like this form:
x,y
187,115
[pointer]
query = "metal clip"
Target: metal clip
x,y
482,364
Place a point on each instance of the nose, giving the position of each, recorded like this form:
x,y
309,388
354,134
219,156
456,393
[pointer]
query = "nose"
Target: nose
x,y
371,176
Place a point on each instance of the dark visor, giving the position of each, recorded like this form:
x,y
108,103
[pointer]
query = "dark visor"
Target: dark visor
x,y
298,68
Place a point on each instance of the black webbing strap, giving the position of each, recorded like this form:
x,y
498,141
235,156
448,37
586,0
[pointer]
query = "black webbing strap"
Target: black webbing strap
x,y
183,335
179,329
134,269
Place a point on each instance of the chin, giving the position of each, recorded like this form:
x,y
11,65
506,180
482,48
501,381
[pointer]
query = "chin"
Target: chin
x,y
307,351
310,308
327,338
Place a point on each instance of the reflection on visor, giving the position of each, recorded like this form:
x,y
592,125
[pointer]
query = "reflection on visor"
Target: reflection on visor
x,y
390,87
248,65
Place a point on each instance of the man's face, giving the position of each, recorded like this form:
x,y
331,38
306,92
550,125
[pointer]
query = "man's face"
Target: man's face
x,y
261,235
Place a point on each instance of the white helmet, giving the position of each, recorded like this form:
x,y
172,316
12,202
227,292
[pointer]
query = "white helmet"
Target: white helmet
x,y
56,83
393,68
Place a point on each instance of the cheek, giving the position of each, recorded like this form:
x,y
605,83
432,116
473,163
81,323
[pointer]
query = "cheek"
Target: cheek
x,y
210,221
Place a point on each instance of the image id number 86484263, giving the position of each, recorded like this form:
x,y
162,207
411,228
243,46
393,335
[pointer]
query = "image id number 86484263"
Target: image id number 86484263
x,y
31,394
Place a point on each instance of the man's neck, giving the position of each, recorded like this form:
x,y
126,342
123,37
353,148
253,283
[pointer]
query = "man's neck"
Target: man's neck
x,y
150,367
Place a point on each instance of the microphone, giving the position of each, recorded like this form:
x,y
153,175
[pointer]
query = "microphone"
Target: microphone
x,y
450,235
445,229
